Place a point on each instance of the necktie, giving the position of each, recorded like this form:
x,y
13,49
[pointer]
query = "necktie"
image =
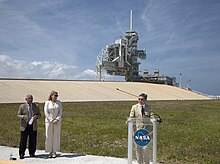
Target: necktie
x,y
142,110
30,111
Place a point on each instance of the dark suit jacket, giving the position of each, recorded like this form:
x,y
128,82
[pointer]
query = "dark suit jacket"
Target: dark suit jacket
x,y
23,110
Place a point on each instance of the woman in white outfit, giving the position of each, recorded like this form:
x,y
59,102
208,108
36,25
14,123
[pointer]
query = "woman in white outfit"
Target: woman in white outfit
x,y
53,114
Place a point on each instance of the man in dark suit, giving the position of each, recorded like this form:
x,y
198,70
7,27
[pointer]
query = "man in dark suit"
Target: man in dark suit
x,y
28,113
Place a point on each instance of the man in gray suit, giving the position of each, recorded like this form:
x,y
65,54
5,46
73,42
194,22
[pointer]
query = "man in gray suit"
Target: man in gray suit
x,y
28,113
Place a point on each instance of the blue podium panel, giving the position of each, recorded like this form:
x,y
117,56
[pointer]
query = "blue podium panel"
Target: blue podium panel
x,y
142,137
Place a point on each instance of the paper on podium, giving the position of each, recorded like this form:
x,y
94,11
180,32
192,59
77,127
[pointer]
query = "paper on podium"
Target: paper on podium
x,y
31,120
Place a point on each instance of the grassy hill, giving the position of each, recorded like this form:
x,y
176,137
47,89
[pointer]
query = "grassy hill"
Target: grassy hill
x,y
189,133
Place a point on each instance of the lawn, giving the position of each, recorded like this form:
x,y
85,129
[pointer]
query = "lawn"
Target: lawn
x,y
189,133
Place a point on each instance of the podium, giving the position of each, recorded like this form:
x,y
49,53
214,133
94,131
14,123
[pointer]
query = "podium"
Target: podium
x,y
142,140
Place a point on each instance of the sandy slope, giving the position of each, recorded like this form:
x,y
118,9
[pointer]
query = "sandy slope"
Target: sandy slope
x,y
69,91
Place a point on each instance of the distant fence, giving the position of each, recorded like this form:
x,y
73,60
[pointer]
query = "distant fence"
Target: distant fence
x,y
200,93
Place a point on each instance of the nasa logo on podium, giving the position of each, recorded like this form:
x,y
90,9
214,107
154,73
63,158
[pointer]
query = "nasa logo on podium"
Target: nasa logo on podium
x,y
142,137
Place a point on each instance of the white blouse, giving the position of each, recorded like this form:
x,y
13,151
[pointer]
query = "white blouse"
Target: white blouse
x,y
52,111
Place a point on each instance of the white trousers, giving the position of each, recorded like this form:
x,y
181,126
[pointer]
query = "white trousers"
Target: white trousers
x,y
52,142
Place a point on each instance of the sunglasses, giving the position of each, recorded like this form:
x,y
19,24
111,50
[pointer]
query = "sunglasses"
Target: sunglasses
x,y
56,95
140,99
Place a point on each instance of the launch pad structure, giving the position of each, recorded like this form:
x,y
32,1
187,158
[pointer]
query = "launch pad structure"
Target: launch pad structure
x,y
122,59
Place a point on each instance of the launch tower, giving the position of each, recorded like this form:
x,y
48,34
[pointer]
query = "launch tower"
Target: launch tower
x,y
121,59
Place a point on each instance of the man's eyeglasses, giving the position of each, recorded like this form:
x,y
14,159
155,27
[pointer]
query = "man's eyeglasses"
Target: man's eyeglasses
x,y
140,99
56,95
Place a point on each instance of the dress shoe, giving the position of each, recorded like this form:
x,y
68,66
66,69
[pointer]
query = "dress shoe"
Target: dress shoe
x,y
32,155
54,155
21,156
50,155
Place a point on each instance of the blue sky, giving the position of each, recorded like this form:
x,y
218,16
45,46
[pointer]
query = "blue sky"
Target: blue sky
x,y
61,39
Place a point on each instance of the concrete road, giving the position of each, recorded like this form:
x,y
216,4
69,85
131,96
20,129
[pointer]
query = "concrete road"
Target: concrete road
x,y
62,158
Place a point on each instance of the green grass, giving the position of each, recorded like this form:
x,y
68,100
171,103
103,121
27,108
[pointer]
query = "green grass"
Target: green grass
x,y
189,133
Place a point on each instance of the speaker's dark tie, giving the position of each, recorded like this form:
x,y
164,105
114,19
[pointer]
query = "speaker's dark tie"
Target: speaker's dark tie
x,y
142,110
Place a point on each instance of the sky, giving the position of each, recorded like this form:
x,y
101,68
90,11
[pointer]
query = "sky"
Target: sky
x,y
54,39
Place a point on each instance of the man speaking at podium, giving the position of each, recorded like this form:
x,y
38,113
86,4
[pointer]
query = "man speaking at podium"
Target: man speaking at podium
x,y
141,112
141,109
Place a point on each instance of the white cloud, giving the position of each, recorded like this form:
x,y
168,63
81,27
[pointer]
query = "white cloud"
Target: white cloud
x,y
87,74
13,68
